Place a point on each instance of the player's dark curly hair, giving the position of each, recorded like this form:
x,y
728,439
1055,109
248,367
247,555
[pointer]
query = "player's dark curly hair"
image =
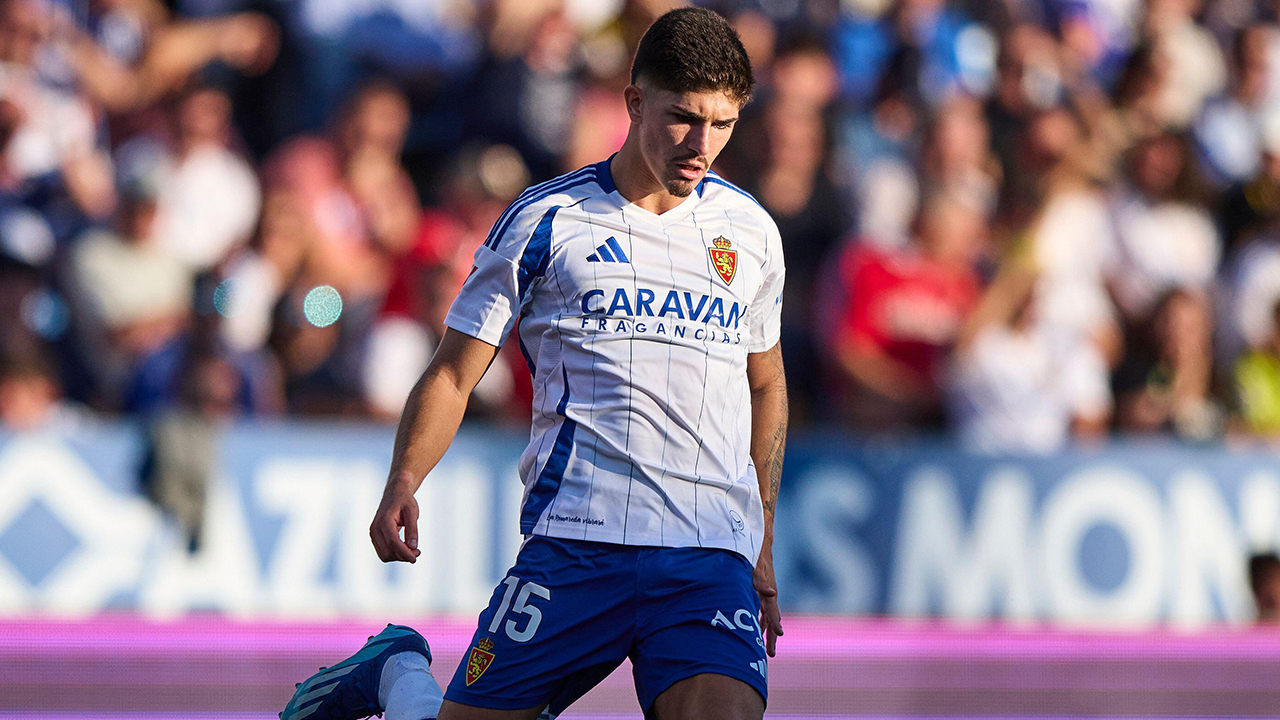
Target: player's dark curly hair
x,y
694,50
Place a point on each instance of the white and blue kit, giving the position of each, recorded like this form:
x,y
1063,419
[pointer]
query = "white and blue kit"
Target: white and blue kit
x,y
638,478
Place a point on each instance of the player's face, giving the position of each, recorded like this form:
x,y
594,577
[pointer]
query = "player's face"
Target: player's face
x,y
681,133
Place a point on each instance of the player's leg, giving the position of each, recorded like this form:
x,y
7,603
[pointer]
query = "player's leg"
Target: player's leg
x,y
408,690
390,674
708,697
699,651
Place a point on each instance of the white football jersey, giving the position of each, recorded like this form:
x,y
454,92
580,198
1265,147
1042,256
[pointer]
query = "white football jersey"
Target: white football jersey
x,y
636,328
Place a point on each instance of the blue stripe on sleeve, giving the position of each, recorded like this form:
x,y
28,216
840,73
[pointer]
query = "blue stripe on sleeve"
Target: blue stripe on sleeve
x,y
532,192
573,181
537,253
548,483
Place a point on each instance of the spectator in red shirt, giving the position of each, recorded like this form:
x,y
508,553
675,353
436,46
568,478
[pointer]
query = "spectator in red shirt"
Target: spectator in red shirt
x,y
476,190
900,313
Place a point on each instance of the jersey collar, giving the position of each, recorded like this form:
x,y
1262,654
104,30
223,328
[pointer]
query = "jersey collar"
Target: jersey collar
x,y
605,178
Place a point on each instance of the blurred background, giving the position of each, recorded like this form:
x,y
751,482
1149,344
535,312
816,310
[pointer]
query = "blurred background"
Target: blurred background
x,y
1032,329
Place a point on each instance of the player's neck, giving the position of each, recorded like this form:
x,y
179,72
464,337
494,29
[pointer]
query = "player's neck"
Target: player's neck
x,y
636,183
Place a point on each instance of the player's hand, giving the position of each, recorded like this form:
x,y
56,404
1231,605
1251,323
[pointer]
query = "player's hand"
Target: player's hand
x,y
767,587
398,510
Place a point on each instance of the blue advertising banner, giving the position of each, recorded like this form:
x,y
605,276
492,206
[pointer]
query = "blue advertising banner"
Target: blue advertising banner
x,y
1129,534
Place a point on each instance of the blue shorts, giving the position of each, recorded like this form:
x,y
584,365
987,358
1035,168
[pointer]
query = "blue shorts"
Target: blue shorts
x,y
569,612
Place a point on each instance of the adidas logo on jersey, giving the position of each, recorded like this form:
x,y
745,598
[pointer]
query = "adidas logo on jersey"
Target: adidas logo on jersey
x,y
610,251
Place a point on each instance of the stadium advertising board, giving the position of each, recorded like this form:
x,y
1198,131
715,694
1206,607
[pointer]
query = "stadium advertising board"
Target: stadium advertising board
x,y
1132,534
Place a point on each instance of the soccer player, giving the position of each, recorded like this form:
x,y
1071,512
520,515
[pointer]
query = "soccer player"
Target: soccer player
x,y
647,292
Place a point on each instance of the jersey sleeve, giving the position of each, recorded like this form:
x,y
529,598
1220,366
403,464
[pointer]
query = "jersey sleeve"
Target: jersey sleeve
x,y
765,315
505,271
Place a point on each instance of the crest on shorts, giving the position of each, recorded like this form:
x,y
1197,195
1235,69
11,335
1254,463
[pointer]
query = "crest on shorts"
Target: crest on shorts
x,y
479,660
723,259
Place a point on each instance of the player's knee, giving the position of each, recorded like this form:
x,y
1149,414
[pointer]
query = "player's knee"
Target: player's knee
x,y
712,708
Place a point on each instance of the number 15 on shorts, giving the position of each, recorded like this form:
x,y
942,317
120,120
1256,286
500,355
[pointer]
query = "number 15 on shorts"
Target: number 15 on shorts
x,y
520,593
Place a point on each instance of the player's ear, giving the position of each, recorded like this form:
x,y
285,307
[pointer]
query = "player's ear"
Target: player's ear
x,y
633,95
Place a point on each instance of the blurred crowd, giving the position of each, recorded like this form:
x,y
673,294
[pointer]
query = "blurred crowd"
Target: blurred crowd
x,y
1024,222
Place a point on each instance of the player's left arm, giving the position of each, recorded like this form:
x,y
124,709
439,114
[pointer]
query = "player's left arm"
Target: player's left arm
x,y
768,382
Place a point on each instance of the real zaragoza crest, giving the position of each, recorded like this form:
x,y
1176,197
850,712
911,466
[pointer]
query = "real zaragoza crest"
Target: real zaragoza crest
x,y
479,660
723,259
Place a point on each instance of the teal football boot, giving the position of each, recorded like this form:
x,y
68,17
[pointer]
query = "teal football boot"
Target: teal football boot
x,y
349,690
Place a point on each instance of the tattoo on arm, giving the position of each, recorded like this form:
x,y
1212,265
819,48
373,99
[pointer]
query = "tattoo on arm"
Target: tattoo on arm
x,y
778,444
777,447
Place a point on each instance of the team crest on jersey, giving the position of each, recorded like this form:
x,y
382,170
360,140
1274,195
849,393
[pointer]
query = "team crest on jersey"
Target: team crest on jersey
x,y
479,660
723,259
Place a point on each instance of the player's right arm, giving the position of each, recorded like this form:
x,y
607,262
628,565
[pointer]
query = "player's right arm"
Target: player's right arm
x,y
431,418
508,268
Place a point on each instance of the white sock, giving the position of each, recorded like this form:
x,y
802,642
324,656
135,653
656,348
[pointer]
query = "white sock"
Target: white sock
x,y
408,690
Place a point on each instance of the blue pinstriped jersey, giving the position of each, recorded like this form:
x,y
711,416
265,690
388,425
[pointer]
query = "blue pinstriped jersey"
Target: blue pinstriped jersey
x,y
636,327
